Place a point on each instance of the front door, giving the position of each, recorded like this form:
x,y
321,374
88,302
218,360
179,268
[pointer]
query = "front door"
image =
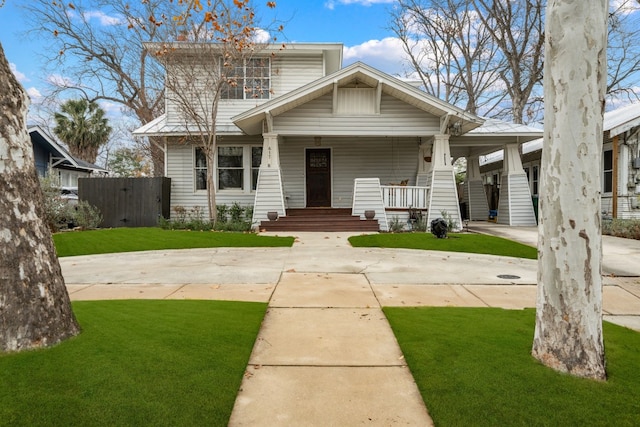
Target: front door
x,y
318,177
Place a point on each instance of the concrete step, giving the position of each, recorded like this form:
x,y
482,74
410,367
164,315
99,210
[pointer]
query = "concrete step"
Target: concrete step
x,y
320,223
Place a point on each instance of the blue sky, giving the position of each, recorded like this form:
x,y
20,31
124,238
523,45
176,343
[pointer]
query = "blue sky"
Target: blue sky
x,y
361,25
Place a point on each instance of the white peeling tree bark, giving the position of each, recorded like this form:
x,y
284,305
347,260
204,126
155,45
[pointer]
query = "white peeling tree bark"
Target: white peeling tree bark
x,y
568,332
34,305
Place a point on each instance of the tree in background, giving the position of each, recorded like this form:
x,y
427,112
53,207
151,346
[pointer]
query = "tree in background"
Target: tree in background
x,y
514,57
517,27
219,57
128,162
623,52
568,331
83,127
451,52
97,46
35,311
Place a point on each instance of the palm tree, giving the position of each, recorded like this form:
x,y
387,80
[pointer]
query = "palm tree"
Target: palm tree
x,y
82,125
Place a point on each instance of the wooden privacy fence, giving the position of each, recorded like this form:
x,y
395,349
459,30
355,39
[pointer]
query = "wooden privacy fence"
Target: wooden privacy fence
x,y
128,202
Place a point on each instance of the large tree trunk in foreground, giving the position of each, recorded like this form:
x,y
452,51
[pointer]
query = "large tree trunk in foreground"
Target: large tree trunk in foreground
x,y
568,333
34,305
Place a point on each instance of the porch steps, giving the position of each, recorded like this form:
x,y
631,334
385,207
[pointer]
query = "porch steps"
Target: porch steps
x,y
320,219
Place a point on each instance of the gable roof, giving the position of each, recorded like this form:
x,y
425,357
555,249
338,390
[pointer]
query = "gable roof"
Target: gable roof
x,y
251,120
60,155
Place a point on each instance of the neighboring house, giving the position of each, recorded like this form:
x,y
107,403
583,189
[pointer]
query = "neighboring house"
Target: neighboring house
x,y
619,174
49,155
332,137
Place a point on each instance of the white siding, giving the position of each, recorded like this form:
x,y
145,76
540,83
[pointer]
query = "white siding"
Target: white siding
x,y
443,195
515,206
476,201
369,197
180,168
396,118
269,196
391,160
356,101
289,73
504,215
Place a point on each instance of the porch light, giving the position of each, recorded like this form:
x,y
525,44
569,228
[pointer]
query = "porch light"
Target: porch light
x,y
317,141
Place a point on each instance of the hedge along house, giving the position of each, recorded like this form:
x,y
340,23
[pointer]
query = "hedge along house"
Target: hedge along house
x,y
326,138
619,174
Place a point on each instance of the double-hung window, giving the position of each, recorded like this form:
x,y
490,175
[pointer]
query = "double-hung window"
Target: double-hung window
x,y
250,79
236,168
534,180
200,167
256,159
230,168
607,171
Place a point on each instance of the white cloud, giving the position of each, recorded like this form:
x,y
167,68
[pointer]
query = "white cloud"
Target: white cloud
x,y
20,76
262,36
103,18
331,4
386,55
34,93
112,109
60,81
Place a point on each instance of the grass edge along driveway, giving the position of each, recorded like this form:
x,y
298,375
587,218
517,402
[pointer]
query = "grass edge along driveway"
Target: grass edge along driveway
x,y
455,242
114,240
153,238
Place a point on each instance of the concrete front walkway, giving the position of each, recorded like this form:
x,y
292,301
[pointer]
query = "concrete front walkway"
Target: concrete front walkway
x,y
326,355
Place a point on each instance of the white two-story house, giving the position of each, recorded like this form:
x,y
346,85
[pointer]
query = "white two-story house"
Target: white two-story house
x,y
325,138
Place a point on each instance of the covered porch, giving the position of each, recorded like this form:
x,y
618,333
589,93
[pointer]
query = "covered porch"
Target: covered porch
x,y
362,140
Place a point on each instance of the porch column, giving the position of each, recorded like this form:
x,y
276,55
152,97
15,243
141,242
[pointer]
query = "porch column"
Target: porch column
x,y
269,194
443,193
515,206
475,195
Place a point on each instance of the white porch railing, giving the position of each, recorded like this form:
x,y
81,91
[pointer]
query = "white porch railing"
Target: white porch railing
x,y
404,196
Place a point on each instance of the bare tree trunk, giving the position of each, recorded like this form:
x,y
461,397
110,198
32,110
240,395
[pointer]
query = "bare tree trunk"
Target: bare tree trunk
x,y
157,156
211,182
34,305
568,333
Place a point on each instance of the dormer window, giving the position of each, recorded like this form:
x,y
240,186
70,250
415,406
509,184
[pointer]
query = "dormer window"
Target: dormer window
x,y
249,80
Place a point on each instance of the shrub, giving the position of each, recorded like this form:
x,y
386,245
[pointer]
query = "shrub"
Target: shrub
x,y
59,213
395,225
451,224
56,210
85,215
627,228
187,219
234,218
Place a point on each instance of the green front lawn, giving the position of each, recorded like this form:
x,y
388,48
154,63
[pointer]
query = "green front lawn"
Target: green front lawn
x,y
473,368
156,363
145,239
471,243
